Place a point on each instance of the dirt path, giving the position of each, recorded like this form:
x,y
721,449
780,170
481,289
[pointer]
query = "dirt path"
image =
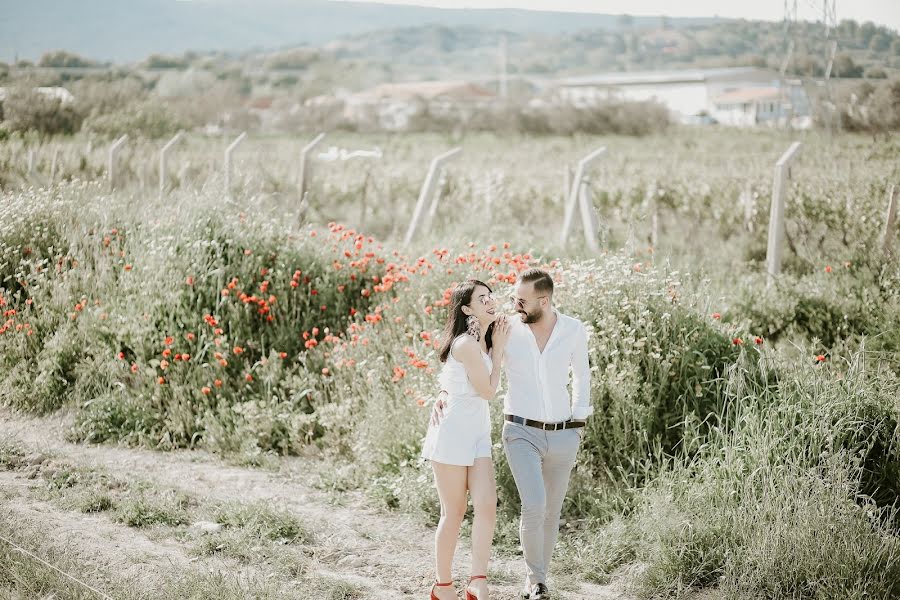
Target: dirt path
x,y
388,554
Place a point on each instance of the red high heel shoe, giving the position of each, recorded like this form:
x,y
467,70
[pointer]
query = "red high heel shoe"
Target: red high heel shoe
x,y
470,595
438,584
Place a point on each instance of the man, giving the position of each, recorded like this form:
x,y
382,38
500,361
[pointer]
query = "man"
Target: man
x,y
543,426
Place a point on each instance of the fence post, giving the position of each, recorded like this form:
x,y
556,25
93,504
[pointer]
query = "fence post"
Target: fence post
x,y
776,213
587,206
888,237
746,200
304,164
575,198
228,152
111,163
30,161
653,211
427,191
53,163
162,162
435,198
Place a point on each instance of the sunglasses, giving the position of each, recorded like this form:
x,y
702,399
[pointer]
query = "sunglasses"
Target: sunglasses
x,y
521,302
488,298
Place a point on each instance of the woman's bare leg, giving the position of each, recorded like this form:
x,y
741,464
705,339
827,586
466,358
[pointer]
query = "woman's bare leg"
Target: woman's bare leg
x,y
450,481
483,489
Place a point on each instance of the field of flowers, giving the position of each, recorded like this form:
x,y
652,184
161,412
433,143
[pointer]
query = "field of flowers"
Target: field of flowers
x,y
744,437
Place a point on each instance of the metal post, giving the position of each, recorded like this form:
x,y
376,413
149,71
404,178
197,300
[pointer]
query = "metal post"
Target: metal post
x,y
228,152
162,162
304,163
574,196
111,163
776,214
888,237
427,191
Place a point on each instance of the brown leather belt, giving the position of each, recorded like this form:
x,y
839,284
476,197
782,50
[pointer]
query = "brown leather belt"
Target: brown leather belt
x,y
544,426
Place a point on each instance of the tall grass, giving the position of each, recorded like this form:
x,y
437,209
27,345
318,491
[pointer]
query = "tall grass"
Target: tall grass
x,y
732,424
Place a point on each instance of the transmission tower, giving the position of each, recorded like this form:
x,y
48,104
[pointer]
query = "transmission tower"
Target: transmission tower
x,y
790,36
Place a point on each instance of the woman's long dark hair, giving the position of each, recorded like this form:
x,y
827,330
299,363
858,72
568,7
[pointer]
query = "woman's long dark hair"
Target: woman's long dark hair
x,y
456,319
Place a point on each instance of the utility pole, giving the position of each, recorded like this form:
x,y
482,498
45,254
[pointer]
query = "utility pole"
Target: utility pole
x,y
790,33
829,20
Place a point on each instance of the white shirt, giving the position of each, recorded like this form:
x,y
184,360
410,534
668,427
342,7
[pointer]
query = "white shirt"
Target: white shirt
x,y
537,381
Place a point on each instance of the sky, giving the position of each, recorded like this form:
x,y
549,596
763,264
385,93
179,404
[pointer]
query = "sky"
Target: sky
x,y
882,12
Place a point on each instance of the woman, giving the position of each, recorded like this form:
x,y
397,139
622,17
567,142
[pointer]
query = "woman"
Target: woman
x,y
459,448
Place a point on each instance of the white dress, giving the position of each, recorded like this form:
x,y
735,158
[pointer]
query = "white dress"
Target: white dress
x,y
464,433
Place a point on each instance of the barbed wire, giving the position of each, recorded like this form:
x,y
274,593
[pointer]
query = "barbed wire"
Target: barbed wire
x,y
61,572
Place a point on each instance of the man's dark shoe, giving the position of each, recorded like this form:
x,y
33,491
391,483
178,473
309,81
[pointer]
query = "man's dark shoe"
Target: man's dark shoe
x,y
538,591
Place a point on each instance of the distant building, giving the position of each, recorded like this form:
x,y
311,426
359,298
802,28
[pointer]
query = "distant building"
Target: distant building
x,y
749,107
689,94
62,94
394,104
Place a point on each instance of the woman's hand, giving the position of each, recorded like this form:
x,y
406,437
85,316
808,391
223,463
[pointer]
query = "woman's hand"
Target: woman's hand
x,y
500,335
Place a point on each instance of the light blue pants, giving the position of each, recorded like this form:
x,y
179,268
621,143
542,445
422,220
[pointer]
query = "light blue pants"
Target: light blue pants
x,y
541,462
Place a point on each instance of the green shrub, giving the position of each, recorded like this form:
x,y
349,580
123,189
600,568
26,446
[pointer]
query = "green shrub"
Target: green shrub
x,y
34,111
796,499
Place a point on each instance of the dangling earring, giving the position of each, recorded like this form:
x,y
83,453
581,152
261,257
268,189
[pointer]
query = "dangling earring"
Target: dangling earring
x,y
474,327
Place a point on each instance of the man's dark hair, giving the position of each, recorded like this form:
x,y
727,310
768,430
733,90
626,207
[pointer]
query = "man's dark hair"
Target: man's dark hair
x,y
541,279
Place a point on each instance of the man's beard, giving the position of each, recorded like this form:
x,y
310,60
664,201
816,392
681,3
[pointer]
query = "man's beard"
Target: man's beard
x,y
531,317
